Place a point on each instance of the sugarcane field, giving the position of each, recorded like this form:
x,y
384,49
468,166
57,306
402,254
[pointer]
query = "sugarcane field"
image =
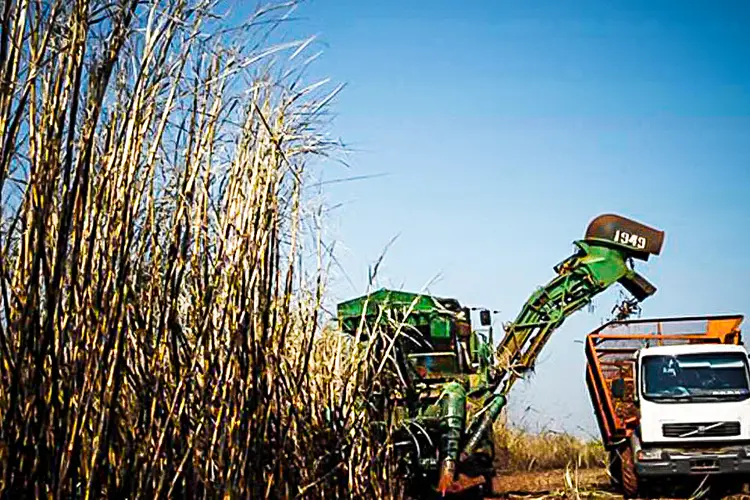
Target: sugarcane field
x,y
317,249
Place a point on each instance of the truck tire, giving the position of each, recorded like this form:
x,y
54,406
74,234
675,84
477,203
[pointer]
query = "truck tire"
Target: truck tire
x,y
615,469
630,483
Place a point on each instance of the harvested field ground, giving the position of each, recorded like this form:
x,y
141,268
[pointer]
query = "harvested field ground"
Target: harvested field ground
x,y
583,484
533,465
550,483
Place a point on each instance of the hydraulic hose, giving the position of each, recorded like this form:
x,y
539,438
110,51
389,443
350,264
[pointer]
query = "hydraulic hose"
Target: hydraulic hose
x,y
496,405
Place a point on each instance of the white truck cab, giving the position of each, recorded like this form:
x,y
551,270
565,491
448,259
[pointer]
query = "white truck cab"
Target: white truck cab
x,y
694,410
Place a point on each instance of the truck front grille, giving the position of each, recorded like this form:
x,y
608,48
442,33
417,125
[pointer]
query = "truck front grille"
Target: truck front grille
x,y
703,429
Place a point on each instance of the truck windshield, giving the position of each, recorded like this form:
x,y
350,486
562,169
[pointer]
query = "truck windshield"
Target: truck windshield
x,y
696,376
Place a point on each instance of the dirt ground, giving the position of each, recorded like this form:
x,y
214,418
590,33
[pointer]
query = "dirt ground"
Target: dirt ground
x,y
587,483
584,484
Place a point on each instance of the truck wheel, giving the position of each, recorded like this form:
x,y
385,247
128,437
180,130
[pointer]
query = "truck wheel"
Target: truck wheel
x,y
630,483
615,469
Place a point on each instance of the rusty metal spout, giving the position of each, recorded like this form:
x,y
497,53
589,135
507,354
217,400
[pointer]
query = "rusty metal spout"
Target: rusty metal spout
x,y
447,473
461,484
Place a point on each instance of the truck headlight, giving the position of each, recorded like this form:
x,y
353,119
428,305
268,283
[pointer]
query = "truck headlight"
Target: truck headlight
x,y
652,454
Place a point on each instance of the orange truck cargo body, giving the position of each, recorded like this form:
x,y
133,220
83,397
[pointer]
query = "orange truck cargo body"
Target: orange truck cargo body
x,y
610,355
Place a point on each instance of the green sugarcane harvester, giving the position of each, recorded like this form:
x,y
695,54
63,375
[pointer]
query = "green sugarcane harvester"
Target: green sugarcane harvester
x,y
454,385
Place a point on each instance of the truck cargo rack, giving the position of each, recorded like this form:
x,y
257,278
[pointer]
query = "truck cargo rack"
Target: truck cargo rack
x,y
610,355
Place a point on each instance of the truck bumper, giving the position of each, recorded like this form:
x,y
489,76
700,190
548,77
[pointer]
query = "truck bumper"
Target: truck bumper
x,y
673,462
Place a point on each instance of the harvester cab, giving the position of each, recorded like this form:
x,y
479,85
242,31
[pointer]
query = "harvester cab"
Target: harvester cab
x,y
437,340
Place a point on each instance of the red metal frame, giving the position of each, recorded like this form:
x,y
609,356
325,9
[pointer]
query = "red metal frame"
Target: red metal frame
x,y
611,355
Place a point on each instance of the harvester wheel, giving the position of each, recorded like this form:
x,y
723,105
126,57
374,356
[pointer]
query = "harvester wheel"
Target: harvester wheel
x,y
630,483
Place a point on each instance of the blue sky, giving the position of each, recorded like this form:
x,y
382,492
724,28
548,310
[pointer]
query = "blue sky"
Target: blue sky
x,y
500,129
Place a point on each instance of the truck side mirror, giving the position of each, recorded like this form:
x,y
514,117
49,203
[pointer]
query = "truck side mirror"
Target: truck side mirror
x,y
484,318
618,388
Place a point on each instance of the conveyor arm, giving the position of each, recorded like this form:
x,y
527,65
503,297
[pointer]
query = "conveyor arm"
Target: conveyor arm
x,y
602,259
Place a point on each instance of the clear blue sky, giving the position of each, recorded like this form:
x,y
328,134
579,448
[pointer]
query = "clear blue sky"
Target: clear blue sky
x,y
503,127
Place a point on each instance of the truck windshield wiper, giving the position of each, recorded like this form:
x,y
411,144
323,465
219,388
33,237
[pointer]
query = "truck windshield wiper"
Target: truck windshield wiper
x,y
671,397
720,397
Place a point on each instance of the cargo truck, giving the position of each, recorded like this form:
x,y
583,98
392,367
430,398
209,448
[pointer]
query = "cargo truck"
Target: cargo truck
x,y
672,401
